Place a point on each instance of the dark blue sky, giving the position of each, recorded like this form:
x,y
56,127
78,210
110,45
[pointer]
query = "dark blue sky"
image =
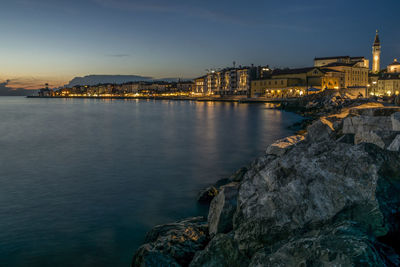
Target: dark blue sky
x,y
56,40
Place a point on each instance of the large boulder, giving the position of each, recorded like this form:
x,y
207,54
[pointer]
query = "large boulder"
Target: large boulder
x,y
380,138
221,251
309,187
281,146
222,208
238,175
374,111
362,124
206,195
343,244
173,244
320,130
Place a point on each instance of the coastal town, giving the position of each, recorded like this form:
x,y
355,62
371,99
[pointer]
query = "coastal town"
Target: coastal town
x,y
352,74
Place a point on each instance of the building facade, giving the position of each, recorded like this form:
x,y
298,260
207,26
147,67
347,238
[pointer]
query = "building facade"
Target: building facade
x,y
323,61
296,82
394,67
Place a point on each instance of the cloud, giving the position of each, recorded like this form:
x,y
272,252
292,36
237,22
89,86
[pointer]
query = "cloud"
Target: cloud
x,y
6,90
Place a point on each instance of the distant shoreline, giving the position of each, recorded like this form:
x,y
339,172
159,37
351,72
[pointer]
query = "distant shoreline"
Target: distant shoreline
x,y
200,99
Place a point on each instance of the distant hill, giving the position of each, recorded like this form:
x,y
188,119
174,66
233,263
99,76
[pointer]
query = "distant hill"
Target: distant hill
x,y
117,79
99,79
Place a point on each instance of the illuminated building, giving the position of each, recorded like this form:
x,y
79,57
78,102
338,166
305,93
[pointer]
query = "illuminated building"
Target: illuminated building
x,y
323,61
376,54
200,85
394,67
296,82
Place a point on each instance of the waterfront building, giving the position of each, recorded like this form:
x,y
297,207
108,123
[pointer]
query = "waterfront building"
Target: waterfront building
x,y
355,74
200,85
324,61
296,82
376,54
389,85
230,83
394,67
244,80
185,86
211,83
233,81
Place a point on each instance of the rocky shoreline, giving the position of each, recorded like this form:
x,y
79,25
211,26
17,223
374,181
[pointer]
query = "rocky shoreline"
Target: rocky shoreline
x,y
327,197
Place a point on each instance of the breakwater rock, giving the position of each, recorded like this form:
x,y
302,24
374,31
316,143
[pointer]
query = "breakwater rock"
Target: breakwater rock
x,y
328,198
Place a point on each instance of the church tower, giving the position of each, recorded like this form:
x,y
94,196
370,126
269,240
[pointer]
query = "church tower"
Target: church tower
x,y
376,54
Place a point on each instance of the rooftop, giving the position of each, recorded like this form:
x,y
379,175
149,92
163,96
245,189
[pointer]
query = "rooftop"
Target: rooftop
x,y
395,62
292,71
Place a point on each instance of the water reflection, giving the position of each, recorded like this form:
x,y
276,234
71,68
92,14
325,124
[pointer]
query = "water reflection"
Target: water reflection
x,y
82,180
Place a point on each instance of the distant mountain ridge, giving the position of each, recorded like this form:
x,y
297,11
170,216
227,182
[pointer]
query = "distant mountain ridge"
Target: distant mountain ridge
x,y
116,79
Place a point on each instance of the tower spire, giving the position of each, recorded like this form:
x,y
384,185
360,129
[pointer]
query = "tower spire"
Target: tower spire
x,y
376,54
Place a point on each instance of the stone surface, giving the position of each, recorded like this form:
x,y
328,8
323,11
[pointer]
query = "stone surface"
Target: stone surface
x,y
374,111
222,208
221,251
281,146
346,138
173,244
207,194
395,145
338,245
395,118
238,175
320,130
360,124
380,138
310,186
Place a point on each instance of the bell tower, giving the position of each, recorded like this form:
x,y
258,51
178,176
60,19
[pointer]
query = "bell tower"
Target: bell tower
x,y
376,54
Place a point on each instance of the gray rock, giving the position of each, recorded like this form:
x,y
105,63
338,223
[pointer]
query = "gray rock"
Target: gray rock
x,y
320,130
222,208
238,175
395,118
361,124
380,138
395,145
173,244
207,194
281,146
337,245
346,138
308,187
374,111
222,182
147,256
221,251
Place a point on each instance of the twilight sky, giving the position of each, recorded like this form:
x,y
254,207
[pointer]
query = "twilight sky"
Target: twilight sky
x,y
54,40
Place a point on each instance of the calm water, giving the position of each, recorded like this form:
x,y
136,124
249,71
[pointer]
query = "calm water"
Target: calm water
x,y
81,181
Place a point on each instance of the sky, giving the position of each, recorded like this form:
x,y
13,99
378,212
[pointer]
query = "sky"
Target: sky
x,y
53,41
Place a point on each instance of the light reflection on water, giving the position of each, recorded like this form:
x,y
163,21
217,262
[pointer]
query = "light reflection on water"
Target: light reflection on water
x,y
82,180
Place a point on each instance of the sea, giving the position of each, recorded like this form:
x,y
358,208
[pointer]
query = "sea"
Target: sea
x,y
83,180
